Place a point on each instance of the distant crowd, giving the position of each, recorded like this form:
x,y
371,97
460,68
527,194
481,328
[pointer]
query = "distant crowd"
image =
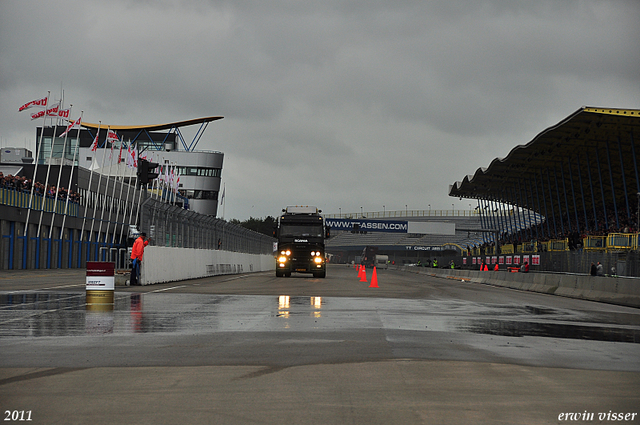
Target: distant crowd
x,y
543,232
23,184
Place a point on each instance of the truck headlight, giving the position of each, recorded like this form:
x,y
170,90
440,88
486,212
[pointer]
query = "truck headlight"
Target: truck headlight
x,y
282,259
318,260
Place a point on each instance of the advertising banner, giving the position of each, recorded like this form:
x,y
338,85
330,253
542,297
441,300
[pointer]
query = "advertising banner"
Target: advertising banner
x,y
392,226
100,276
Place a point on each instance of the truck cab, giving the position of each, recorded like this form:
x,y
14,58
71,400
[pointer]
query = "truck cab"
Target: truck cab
x,y
301,232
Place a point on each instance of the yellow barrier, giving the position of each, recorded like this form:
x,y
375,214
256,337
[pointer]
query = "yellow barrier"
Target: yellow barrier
x,y
507,248
528,247
595,243
622,241
559,245
15,198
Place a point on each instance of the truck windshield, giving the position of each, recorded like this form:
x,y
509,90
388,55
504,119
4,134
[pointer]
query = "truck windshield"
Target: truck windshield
x,y
313,230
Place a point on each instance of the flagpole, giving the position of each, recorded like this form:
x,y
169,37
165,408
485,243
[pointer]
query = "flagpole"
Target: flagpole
x,y
46,180
93,220
174,184
35,168
113,196
138,207
55,202
126,201
73,164
135,153
84,218
120,195
106,189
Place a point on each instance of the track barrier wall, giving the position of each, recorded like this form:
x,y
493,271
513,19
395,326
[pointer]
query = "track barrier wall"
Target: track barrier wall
x,y
168,264
614,290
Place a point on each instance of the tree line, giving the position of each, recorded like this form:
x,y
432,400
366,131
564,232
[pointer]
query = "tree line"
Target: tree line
x,y
260,225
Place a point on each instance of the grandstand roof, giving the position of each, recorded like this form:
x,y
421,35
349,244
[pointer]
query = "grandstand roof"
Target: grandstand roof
x,y
154,127
593,148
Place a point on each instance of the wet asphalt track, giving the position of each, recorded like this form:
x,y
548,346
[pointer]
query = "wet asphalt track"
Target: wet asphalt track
x,y
269,325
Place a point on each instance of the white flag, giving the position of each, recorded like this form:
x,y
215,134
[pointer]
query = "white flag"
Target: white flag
x,y
75,124
39,102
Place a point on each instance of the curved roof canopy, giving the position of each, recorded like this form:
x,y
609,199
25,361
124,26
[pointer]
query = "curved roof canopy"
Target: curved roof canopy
x,y
154,127
589,159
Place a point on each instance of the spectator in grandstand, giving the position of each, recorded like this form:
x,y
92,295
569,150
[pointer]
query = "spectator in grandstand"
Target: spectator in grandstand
x,y
9,182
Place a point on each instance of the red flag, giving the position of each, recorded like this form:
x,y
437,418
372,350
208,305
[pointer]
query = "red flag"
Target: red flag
x,y
39,102
53,111
75,124
111,136
94,146
37,115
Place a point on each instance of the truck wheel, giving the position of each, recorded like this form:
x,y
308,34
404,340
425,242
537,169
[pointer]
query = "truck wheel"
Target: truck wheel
x,y
320,275
279,273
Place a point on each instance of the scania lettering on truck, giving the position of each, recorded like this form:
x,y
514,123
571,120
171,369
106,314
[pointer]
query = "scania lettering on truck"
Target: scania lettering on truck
x,y
301,232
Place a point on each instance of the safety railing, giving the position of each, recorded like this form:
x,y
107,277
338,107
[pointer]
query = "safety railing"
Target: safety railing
x,y
594,243
528,247
558,245
19,199
405,213
172,226
622,241
507,249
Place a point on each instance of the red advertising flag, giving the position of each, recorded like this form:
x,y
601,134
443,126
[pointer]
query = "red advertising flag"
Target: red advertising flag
x,y
53,111
94,146
39,102
37,115
75,124
112,136
64,113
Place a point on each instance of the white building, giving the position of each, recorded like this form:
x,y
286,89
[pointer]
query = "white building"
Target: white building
x,y
200,171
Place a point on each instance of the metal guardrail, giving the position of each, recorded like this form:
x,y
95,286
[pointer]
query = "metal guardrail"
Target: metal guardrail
x,y
556,245
507,249
169,225
594,243
19,199
405,214
622,241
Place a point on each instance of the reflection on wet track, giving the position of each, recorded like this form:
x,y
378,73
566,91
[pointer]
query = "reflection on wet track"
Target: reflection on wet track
x,y
41,314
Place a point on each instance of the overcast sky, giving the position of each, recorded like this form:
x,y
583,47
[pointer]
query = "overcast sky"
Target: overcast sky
x,y
340,104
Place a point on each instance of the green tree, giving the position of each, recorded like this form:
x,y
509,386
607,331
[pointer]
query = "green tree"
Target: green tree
x,y
260,225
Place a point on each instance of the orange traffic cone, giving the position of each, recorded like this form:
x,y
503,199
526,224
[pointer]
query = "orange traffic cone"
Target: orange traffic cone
x,y
374,278
363,277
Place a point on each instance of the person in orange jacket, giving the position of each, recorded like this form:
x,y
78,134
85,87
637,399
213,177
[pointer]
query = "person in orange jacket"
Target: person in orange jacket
x,y
136,258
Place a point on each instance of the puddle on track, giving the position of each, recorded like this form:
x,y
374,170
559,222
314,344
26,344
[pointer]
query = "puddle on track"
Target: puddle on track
x,y
51,314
